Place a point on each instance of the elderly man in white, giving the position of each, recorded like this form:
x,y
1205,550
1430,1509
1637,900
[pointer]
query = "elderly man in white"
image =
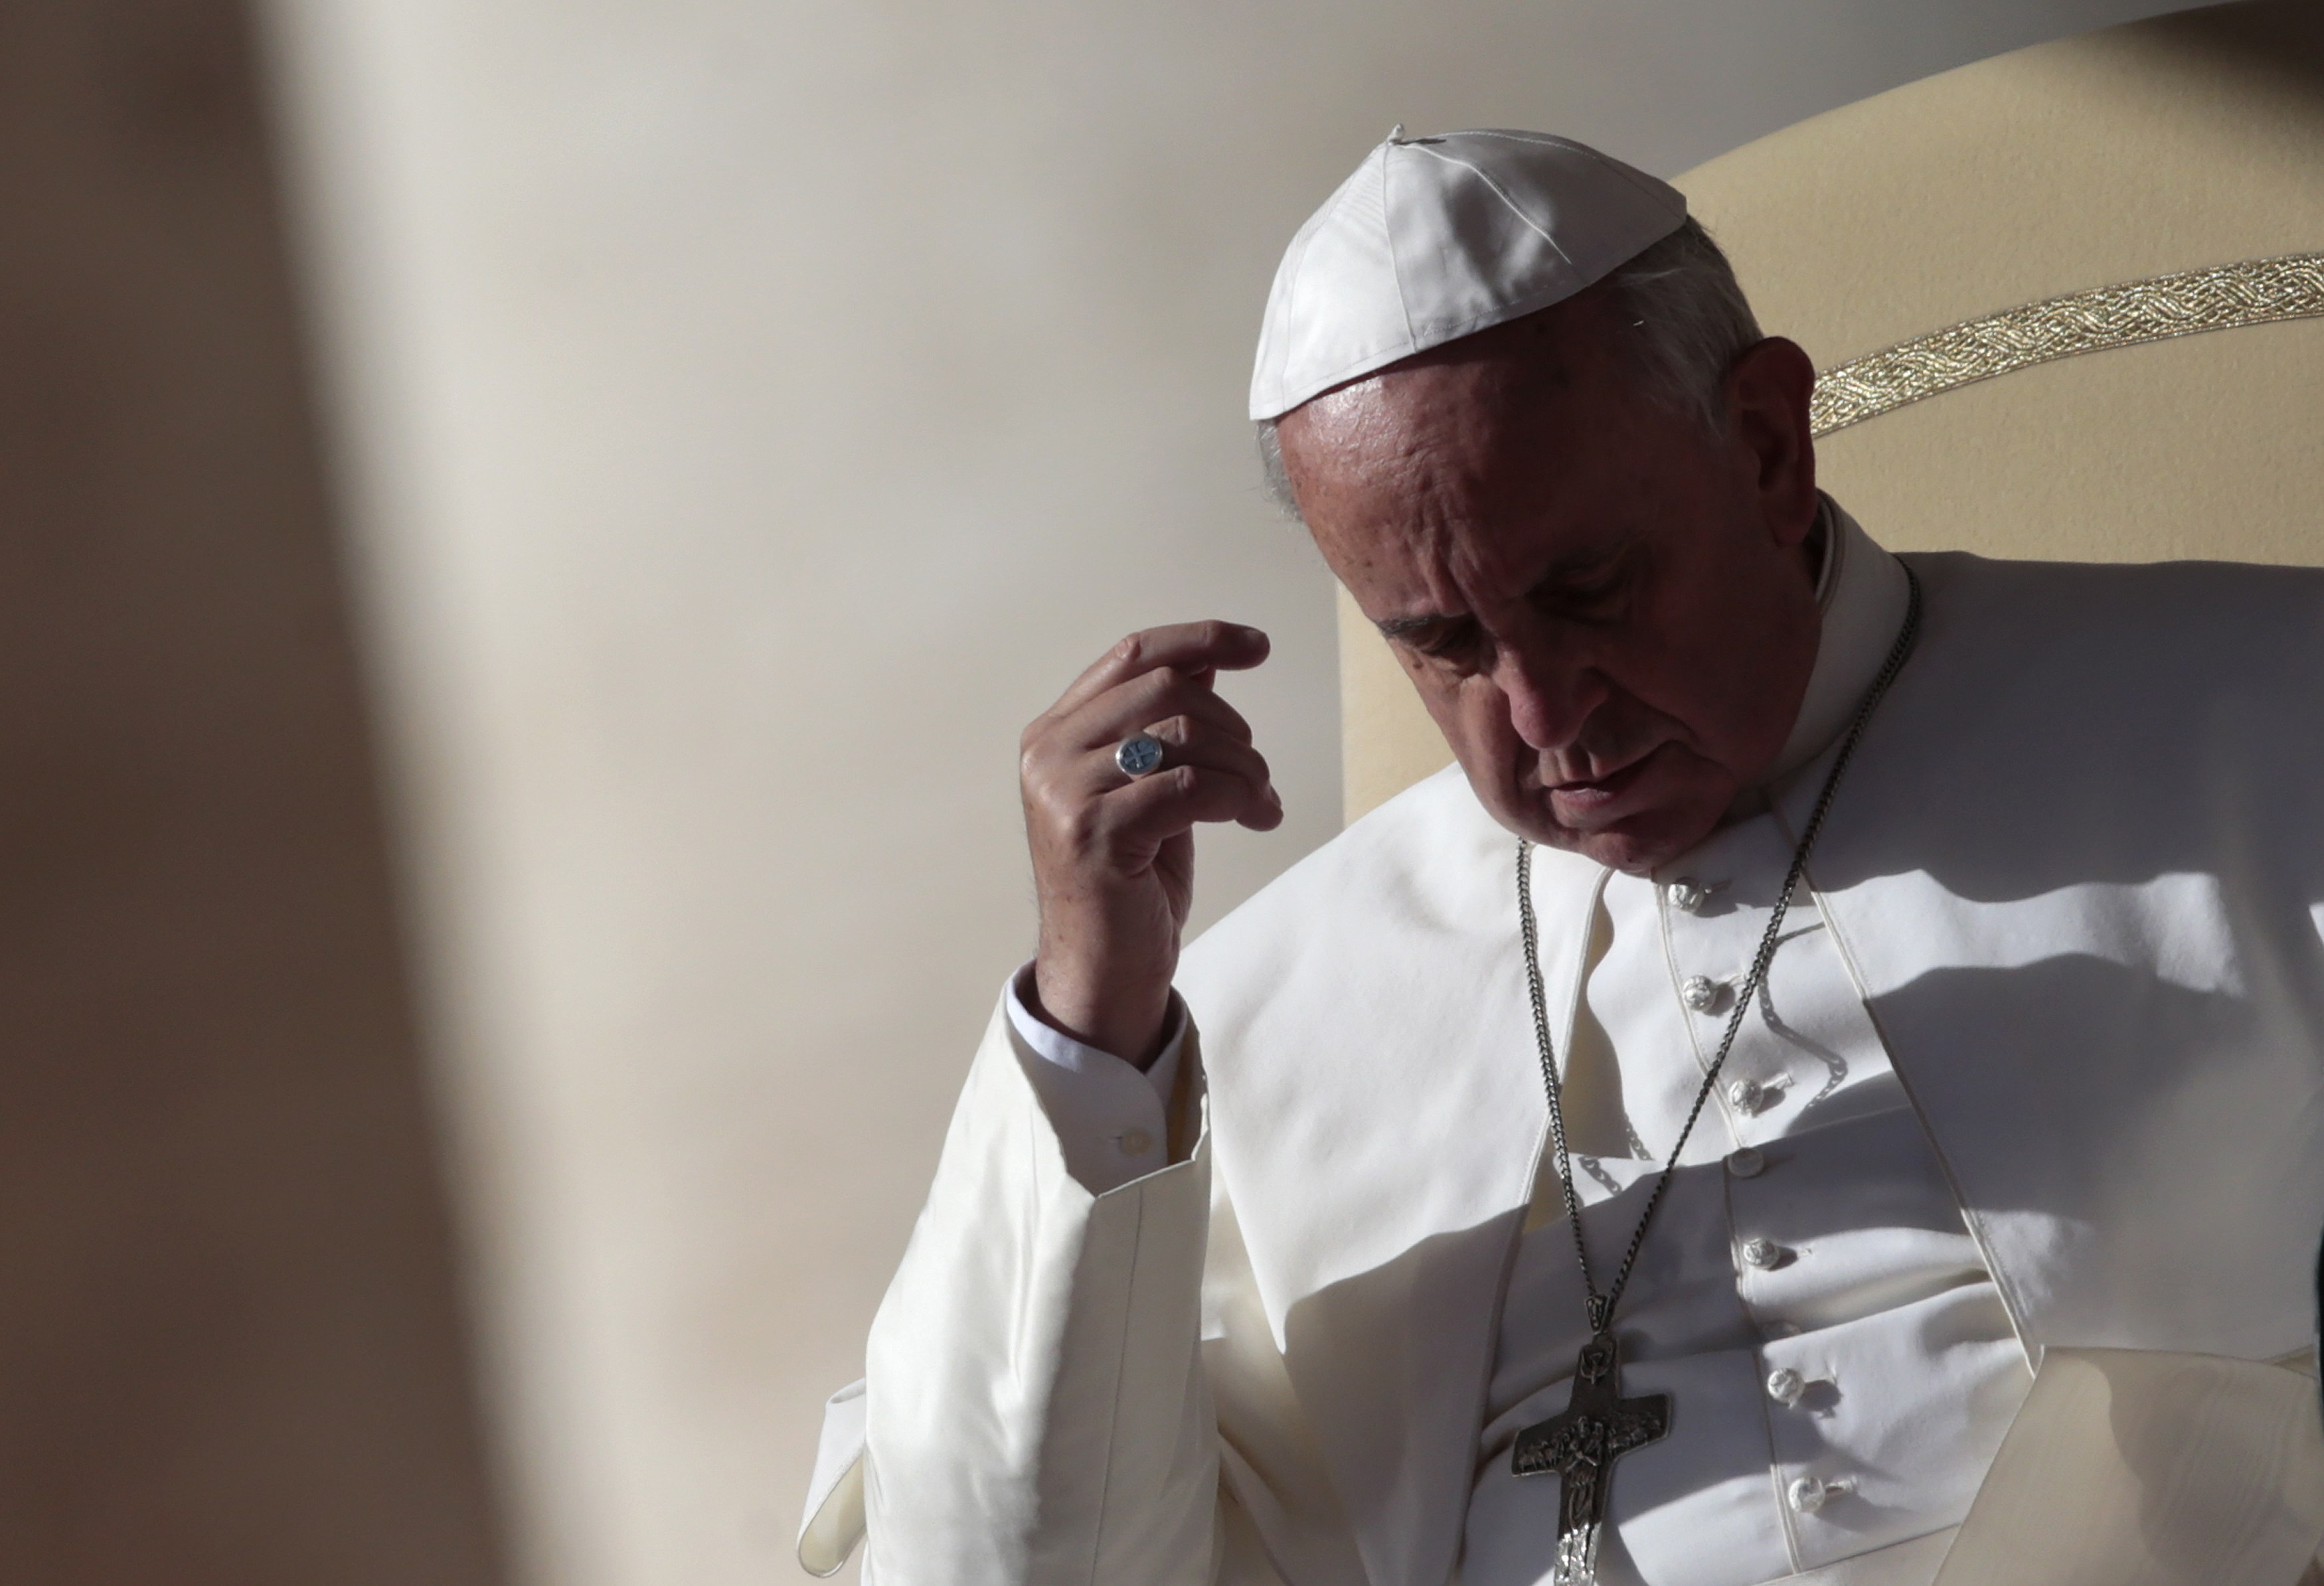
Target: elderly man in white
x,y
1829,1088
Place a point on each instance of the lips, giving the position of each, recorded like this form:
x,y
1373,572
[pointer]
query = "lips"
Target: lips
x,y
1599,801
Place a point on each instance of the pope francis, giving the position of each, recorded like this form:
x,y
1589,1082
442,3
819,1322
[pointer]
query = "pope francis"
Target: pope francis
x,y
1828,1088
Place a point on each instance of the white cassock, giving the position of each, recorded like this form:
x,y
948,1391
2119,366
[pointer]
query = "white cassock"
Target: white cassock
x,y
2038,1070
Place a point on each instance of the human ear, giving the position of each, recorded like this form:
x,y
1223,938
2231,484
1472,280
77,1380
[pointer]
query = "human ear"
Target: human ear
x,y
1767,391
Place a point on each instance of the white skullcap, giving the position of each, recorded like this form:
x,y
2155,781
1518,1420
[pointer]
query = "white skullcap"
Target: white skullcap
x,y
1434,239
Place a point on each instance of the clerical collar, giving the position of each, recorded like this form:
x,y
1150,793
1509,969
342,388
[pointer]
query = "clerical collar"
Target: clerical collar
x,y
1862,592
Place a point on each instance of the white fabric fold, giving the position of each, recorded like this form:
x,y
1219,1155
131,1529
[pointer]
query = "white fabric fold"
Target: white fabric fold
x,y
1037,1409
834,1522
1905,1563
2147,1468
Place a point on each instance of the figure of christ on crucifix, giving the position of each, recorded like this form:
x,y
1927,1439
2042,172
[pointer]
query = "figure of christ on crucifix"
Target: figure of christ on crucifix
x,y
1579,1447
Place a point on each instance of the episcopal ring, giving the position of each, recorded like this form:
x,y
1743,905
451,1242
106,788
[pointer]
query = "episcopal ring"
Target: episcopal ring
x,y
1138,757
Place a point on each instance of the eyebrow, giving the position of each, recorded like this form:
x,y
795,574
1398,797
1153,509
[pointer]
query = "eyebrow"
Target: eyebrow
x,y
1398,627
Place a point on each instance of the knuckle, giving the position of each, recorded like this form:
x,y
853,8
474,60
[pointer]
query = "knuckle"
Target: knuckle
x,y
1079,826
1046,788
1033,758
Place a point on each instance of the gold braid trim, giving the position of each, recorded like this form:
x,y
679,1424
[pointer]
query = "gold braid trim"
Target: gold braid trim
x,y
2258,292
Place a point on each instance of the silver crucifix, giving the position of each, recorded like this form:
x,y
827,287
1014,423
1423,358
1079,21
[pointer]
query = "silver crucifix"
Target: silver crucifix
x,y
1580,1448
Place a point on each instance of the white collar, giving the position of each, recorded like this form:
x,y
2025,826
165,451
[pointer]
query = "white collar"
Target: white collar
x,y
1863,593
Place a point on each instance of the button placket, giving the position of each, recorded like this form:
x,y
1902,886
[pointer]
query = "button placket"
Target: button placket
x,y
1759,1255
1710,951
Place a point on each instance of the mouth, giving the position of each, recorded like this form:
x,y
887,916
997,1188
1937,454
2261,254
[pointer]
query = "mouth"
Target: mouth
x,y
1599,801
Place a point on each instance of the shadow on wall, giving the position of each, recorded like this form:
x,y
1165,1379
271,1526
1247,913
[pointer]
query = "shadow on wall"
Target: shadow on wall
x,y
2284,39
231,1347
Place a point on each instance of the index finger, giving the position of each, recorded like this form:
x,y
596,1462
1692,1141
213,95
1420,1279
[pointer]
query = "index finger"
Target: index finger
x,y
1189,647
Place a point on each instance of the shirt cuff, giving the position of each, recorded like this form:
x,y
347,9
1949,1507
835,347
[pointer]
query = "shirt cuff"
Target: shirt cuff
x,y
1109,1115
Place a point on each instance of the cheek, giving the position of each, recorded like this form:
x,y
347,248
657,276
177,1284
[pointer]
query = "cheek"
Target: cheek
x,y
1473,715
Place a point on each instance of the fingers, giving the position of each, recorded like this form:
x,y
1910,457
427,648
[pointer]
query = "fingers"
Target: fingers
x,y
1207,774
1147,812
1217,778
1189,743
1085,814
1195,648
1135,705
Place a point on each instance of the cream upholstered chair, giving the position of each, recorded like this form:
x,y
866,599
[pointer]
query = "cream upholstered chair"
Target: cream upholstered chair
x,y
2162,149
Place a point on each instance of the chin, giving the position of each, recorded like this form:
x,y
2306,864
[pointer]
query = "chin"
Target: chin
x,y
1638,843
1638,853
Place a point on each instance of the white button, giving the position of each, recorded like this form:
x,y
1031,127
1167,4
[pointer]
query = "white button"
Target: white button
x,y
1745,1162
1701,992
1688,895
1808,1495
1785,1385
1761,1252
1747,1095
1135,1142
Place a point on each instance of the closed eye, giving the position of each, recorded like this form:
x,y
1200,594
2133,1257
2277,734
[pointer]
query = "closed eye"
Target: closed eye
x,y
1593,594
1448,641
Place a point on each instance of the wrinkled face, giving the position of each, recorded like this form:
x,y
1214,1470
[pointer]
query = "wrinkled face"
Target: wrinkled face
x,y
1608,609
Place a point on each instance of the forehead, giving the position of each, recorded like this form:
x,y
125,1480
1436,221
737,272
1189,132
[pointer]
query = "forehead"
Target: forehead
x,y
1496,432
1504,394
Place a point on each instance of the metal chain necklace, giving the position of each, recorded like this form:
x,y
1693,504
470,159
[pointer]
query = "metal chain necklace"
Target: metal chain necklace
x,y
1598,1425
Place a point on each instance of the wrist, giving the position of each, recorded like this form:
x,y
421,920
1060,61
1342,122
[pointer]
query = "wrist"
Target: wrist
x,y
1128,1015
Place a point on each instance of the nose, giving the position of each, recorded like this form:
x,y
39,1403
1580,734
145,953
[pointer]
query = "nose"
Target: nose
x,y
1549,696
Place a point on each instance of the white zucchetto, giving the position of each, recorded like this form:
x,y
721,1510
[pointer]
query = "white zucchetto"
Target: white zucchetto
x,y
1437,238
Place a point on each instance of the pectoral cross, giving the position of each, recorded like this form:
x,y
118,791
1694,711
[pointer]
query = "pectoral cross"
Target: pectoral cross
x,y
1579,1447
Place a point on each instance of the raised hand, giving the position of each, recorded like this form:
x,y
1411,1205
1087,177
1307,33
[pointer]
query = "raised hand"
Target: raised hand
x,y
1114,855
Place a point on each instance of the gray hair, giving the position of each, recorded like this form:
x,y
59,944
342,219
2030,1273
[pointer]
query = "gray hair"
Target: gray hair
x,y
1693,322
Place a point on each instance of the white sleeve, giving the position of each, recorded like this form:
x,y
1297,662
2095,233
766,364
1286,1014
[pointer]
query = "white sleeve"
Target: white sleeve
x,y
1035,1407
1107,1113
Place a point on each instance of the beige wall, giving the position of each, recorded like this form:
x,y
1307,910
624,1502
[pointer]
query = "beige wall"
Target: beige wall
x,y
752,414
